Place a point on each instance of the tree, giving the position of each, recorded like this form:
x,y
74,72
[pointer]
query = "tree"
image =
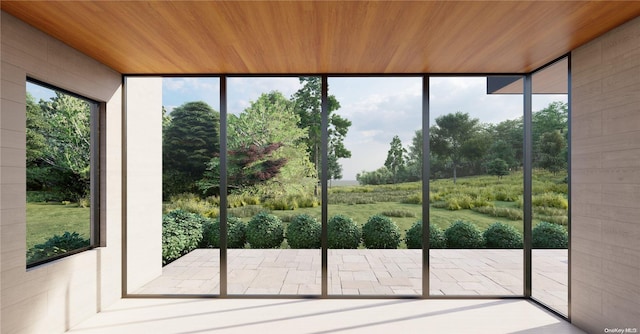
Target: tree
x,y
553,117
452,137
166,119
334,169
552,155
498,167
511,133
379,176
58,145
37,127
395,161
414,158
69,137
247,166
266,151
308,102
500,149
190,140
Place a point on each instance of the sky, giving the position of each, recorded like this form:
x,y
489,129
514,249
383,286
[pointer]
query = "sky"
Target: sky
x,y
378,107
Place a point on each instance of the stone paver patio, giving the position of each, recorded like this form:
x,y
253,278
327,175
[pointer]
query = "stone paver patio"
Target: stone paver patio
x,y
489,272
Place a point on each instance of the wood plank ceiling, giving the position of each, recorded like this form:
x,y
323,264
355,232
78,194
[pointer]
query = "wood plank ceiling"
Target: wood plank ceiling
x,y
296,37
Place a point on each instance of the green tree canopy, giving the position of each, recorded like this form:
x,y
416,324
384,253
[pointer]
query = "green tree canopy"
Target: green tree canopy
x,y
395,161
308,107
37,128
552,154
414,158
190,139
266,150
498,167
58,142
454,137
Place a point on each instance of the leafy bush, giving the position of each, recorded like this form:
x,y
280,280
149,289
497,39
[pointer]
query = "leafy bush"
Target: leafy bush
x,y
181,233
550,200
413,237
500,235
463,201
415,198
398,213
459,202
437,239
236,233
265,231
548,235
56,245
379,232
291,202
191,203
511,213
307,201
343,232
304,232
84,202
280,203
465,235
43,196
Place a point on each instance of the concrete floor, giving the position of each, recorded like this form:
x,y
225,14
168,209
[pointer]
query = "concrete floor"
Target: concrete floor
x,y
318,316
478,272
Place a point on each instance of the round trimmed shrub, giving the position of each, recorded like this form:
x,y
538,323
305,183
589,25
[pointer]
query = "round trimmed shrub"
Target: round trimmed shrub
x,y
265,231
548,235
413,237
236,233
437,239
304,232
343,232
380,232
500,235
463,235
181,233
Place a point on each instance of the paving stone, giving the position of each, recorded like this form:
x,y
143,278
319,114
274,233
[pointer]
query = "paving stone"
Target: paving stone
x,y
365,271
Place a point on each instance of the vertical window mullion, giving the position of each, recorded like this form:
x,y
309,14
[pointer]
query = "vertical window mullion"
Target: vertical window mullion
x,y
223,186
323,184
425,186
528,156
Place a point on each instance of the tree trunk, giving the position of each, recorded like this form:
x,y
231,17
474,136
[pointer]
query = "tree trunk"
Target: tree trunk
x,y
454,174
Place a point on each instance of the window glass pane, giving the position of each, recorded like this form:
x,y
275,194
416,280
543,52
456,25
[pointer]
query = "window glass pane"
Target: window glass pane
x,y
59,150
476,188
550,202
374,195
273,135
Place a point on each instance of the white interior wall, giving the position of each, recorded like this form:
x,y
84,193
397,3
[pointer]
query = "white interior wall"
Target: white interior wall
x,y
144,179
53,297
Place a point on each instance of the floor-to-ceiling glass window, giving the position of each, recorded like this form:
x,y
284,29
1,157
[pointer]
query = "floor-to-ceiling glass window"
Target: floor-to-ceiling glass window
x,y
273,150
274,161
476,186
374,195
550,181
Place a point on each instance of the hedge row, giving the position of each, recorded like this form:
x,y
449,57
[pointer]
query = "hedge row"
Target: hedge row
x,y
184,231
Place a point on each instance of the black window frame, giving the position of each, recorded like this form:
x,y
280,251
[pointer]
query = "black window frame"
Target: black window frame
x,y
96,238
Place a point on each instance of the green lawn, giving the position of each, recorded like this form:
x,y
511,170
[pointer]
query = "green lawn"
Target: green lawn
x,y
44,220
